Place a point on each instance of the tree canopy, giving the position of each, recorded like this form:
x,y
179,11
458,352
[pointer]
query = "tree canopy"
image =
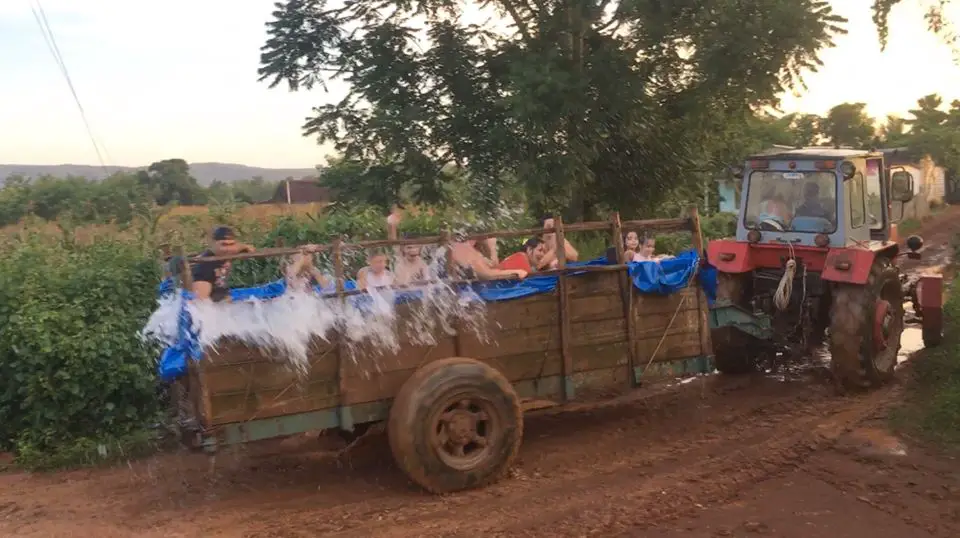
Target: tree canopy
x,y
934,16
583,102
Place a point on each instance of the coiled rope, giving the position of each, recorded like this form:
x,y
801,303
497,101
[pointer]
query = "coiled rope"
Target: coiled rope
x,y
781,299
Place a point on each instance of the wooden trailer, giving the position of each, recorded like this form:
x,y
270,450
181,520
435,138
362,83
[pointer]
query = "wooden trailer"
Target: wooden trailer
x,y
455,409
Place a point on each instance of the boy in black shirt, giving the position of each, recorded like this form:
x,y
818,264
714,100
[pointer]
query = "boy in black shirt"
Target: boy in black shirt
x,y
210,278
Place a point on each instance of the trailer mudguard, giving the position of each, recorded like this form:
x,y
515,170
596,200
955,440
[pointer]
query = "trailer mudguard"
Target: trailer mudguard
x,y
930,292
930,296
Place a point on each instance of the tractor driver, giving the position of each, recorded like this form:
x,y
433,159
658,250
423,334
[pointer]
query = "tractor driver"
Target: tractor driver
x,y
811,206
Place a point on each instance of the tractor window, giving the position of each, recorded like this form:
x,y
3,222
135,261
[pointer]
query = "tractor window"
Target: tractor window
x,y
857,197
791,201
875,209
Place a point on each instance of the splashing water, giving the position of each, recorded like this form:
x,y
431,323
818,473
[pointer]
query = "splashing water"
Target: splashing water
x,y
368,324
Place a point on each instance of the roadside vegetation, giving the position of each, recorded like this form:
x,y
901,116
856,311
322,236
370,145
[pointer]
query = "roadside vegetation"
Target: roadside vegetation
x,y
932,410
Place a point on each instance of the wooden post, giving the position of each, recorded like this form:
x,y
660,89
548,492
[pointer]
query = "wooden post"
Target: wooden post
x,y
195,379
343,410
626,293
695,230
451,267
564,309
706,346
186,277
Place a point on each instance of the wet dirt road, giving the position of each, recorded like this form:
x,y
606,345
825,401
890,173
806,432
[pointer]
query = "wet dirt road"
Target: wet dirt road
x,y
753,456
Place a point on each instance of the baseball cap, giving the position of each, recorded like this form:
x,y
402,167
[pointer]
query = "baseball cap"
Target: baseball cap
x,y
222,233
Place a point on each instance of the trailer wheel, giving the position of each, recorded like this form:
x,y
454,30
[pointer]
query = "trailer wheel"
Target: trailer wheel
x,y
455,424
731,348
866,322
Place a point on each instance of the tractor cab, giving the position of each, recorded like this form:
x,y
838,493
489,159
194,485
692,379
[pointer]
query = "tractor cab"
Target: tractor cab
x,y
820,197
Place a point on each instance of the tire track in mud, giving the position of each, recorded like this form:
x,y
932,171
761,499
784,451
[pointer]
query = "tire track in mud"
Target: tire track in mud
x,y
642,481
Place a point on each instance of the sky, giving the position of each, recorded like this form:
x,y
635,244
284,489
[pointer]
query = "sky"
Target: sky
x,y
179,79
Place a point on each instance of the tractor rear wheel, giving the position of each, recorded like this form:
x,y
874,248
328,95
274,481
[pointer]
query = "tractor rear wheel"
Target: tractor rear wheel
x,y
866,322
732,348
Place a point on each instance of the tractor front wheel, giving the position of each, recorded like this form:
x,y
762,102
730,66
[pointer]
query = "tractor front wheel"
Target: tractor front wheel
x,y
866,322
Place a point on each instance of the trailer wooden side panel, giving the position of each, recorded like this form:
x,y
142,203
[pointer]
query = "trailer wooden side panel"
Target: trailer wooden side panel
x,y
520,338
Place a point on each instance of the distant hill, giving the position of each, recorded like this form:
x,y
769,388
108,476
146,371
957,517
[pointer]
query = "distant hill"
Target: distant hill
x,y
206,173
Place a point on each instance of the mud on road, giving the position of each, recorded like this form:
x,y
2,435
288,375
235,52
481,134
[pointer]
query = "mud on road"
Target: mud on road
x,y
751,456
700,460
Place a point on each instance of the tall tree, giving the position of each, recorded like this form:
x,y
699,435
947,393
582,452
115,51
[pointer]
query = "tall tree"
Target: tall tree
x,y
585,102
894,132
935,132
848,124
928,115
170,181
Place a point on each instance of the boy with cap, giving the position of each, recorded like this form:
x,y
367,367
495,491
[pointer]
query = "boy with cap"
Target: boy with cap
x,y
210,278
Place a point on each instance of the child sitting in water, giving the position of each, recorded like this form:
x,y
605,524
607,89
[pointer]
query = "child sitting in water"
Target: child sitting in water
x,y
646,253
631,246
641,250
375,274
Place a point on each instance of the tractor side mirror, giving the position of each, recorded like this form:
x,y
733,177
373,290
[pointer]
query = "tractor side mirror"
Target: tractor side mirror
x,y
901,186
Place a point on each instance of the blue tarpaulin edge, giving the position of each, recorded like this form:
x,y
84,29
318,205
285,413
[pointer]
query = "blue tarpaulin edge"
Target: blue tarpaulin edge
x,y
664,277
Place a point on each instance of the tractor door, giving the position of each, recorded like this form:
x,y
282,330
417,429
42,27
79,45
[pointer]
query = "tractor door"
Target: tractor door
x,y
877,200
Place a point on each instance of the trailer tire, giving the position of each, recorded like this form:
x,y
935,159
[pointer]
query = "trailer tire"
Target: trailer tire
x,y
731,348
860,356
456,424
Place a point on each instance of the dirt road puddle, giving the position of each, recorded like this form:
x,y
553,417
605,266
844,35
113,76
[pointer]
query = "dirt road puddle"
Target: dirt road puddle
x,y
911,341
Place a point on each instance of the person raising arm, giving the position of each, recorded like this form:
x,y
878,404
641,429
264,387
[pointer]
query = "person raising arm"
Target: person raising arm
x,y
302,273
408,266
549,260
473,264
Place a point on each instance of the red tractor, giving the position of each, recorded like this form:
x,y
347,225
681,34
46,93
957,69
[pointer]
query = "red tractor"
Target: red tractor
x,y
813,259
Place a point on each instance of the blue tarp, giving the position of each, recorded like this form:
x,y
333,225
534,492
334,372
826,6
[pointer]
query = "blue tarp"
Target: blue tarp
x,y
664,277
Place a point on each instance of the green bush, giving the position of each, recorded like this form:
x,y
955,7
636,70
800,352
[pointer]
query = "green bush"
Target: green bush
x,y
72,363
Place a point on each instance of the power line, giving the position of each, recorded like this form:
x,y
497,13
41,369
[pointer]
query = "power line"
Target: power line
x,y
41,17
